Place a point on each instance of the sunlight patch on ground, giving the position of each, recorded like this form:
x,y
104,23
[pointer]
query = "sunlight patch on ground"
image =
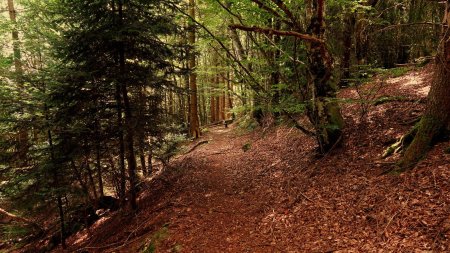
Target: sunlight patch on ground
x,y
224,130
412,79
407,80
424,91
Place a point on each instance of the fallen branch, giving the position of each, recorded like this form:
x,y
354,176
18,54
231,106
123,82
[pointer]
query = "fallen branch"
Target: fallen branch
x,y
306,197
195,146
298,126
9,217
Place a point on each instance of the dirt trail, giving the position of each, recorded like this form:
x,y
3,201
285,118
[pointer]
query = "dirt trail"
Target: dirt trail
x,y
278,196
219,214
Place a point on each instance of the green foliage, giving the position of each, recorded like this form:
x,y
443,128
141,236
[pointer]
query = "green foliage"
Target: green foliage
x,y
246,147
393,72
13,232
247,123
66,95
159,236
169,146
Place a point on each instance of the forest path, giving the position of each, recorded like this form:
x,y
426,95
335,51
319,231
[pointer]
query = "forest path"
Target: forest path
x,y
279,196
220,213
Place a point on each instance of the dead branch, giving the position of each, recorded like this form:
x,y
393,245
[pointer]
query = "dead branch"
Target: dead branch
x,y
298,126
195,146
9,217
409,24
271,31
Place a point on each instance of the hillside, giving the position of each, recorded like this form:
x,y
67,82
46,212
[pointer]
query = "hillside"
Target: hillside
x,y
268,191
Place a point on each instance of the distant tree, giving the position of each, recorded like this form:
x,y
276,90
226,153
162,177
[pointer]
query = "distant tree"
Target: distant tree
x,y
22,145
194,124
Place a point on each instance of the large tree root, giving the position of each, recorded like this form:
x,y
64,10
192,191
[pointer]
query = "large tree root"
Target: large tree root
x,y
402,143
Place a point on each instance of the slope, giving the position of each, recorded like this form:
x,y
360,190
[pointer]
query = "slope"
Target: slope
x,y
267,191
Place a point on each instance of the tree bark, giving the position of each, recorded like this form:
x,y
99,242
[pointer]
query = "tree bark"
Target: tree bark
x,y
98,166
323,112
129,142
350,20
122,182
15,37
194,125
56,182
120,132
437,113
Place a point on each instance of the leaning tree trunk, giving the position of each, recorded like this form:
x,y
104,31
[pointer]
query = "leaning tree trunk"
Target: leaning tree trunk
x,y
437,114
323,110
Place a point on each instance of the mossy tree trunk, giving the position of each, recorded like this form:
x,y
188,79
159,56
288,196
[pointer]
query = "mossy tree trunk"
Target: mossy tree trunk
x,y
436,117
323,110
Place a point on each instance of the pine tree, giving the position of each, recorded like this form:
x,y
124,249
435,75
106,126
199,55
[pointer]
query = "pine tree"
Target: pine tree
x,y
114,53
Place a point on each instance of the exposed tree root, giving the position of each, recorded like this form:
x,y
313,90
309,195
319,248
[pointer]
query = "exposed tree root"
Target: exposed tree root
x,y
401,144
195,146
388,99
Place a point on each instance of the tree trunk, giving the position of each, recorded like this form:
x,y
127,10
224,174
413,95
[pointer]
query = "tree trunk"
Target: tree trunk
x,y
212,108
98,166
275,74
15,37
129,142
194,125
323,112
122,183
149,162
437,114
91,179
217,98
203,105
120,132
22,136
350,20
141,128
229,97
56,181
